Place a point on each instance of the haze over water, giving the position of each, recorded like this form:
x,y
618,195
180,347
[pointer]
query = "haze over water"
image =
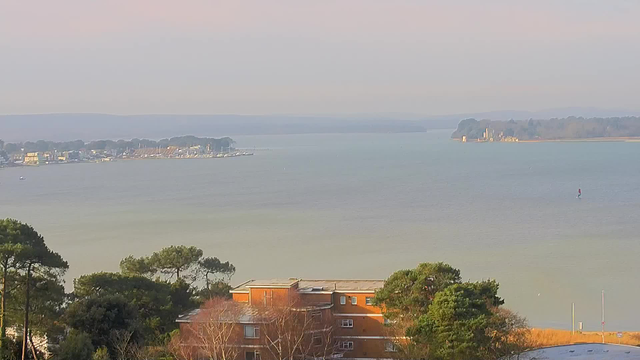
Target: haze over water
x,y
363,206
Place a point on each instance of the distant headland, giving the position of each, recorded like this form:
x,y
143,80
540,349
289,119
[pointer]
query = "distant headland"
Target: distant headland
x,y
566,129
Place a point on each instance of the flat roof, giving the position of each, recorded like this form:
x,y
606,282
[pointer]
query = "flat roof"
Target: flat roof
x,y
308,286
238,313
584,351
344,285
276,283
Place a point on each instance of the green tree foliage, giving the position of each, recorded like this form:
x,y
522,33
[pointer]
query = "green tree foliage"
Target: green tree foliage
x,y
99,316
410,292
218,289
447,319
101,354
553,129
179,261
47,301
26,259
12,239
136,266
176,260
152,299
212,266
455,325
37,259
76,346
182,296
12,349
183,265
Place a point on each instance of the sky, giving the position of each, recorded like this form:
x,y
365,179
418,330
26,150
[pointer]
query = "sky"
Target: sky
x,y
317,57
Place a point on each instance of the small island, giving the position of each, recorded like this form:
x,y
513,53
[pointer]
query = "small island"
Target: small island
x,y
48,152
566,129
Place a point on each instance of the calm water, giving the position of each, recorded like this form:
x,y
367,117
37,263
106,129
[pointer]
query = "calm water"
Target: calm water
x,y
363,206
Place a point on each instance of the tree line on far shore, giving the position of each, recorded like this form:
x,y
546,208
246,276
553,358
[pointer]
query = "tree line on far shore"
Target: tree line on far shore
x,y
131,314
553,129
119,145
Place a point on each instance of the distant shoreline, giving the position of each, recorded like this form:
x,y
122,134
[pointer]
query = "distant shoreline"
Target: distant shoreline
x,y
599,139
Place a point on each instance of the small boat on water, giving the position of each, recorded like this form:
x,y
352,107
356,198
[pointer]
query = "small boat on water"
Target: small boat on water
x,y
22,178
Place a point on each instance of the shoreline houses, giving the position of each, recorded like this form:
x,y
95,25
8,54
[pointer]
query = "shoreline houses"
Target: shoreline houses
x,y
342,311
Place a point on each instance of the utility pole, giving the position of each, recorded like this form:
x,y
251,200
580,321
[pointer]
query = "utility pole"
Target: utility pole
x,y
573,318
603,316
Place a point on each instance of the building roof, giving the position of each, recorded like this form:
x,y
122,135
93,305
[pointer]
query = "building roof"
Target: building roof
x,y
308,286
340,285
236,312
583,351
276,283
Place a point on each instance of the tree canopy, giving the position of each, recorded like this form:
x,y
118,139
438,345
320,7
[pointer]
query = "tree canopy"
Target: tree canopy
x,y
100,316
31,279
76,346
119,313
445,318
152,299
410,292
176,260
179,263
455,325
119,145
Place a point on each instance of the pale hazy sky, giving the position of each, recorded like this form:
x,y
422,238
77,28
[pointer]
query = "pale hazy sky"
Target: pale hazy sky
x,y
322,56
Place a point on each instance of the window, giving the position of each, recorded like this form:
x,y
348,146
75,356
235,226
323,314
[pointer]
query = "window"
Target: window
x,y
354,300
251,332
346,345
347,323
317,340
390,347
368,300
343,300
252,355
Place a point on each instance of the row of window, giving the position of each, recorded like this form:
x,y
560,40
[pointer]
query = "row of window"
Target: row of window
x,y
342,345
253,331
348,345
354,300
348,323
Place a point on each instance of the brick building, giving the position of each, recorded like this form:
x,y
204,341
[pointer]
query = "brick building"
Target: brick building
x,y
354,326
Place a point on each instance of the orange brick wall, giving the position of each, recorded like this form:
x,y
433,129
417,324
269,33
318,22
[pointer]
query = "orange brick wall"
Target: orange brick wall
x,y
367,319
313,299
273,297
368,348
241,297
362,326
359,308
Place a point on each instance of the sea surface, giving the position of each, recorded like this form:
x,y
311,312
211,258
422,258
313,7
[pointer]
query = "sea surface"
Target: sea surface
x,y
363,206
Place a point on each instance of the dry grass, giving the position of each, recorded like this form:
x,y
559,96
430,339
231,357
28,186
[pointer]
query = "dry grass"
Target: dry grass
x,y
551,337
